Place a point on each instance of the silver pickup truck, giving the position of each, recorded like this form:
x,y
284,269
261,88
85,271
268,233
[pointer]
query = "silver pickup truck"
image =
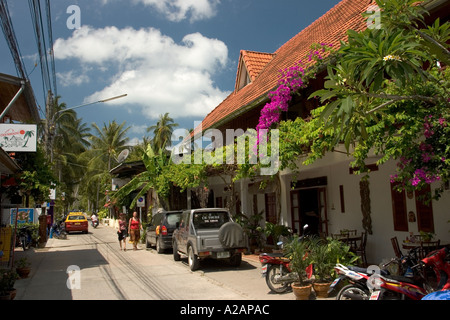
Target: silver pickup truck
x,y
208,233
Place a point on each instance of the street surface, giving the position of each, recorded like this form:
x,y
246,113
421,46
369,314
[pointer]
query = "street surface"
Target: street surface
x,y
98,270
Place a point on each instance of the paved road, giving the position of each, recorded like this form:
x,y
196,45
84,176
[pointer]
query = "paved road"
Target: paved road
x,y
102,271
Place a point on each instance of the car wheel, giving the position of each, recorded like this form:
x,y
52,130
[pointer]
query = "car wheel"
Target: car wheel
x,y
193,259
147,243
176,255
159,249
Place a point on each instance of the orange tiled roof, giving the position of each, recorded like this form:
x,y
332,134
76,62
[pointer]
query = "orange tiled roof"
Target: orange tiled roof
x,y
331,28
255,61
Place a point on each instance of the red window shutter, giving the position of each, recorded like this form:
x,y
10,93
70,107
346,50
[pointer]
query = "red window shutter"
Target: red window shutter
x,y
399,208
424,209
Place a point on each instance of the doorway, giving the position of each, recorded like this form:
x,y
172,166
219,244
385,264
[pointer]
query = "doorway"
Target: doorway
x,y
308,206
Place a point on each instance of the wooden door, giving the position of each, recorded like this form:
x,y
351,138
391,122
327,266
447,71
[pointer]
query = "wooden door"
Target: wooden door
x,y
323,212
295,211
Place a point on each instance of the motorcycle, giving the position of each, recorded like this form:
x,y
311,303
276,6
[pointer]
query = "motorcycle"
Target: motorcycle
x,y
275,268
365,284
58,231
23,238
95,223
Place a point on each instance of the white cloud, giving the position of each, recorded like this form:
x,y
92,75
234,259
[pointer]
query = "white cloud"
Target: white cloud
x,y
158,74
178,10
70,78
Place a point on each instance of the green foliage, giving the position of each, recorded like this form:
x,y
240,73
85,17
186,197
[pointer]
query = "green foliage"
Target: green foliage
x,y
276,231
326,253
385,94
296,250
8,278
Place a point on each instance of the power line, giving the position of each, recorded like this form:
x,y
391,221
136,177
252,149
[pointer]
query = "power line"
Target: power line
x,y
50,37
11,39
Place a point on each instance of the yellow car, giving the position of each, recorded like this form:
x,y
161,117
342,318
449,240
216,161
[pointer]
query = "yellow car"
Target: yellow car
x,y
76,221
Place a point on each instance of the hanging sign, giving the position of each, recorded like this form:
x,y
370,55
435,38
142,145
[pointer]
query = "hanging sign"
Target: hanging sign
x,y
25,215
18,137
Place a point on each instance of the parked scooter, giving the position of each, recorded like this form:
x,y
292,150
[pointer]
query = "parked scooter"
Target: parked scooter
x,y
365,284
58,230
275,268
23,238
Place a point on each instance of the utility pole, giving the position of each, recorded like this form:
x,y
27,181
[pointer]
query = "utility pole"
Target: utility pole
x,y
49,128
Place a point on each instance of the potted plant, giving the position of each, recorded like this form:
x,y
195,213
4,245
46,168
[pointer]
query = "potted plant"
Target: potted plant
x,y
7,280
325,254
23,267
427,236
297,251
273,232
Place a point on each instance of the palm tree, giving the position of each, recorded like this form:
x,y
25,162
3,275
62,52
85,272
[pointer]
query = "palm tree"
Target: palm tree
x,y
162,132
108,142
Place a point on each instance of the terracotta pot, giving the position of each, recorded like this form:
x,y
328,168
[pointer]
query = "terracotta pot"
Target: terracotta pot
x,y
23,272
301,292
321,289
13,294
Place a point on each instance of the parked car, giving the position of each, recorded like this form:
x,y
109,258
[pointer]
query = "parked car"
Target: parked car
x,y
160,230
208,233
76,221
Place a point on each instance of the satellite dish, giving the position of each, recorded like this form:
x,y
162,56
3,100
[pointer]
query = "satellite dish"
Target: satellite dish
x,y
123,155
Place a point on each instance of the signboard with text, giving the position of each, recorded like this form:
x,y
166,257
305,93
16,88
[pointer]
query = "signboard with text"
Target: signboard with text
x,y
18,137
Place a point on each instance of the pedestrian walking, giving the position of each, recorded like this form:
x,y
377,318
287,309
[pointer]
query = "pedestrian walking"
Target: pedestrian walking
x,y
134,228
123,231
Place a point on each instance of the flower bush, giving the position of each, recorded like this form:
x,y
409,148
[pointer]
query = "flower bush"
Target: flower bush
x,y
291,80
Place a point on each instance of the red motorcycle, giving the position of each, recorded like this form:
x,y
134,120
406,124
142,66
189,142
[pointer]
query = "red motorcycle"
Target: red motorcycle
x,y
275,268
381,286
439,261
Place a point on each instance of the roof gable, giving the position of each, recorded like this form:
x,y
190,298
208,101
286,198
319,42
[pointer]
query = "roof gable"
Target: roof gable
x,y
251,63
331,28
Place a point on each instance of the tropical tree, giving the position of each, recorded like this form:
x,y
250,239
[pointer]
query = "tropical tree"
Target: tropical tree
x,y
162,132
107,143
388,93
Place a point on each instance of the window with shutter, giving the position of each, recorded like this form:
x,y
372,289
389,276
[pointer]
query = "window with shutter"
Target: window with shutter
x,y
399,208
424,209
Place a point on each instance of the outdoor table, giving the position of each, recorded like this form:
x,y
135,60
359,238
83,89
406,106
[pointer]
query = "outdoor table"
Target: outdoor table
x,y
412,245
351,240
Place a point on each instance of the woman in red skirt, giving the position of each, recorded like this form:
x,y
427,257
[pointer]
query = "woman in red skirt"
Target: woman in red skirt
x,y
134,227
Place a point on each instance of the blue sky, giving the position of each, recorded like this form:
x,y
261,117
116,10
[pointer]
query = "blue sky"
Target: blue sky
x,y
176,56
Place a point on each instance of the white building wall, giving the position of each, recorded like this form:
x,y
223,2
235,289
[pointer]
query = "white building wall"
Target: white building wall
x,y
336,168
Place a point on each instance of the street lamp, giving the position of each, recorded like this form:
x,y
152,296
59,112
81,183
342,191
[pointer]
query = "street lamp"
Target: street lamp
x,y
90,103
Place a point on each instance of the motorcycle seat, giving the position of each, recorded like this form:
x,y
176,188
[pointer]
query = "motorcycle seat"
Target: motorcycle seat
x,y
383,272
274,255
401,279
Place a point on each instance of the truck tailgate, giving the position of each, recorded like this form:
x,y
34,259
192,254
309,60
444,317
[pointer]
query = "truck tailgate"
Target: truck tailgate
x,y
209,239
